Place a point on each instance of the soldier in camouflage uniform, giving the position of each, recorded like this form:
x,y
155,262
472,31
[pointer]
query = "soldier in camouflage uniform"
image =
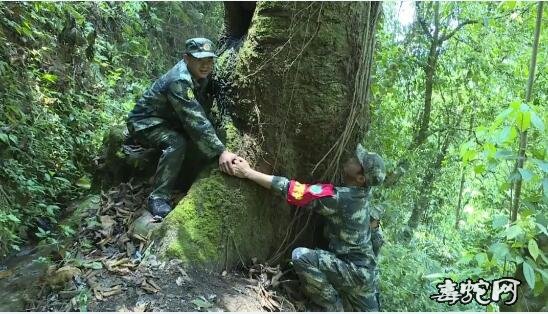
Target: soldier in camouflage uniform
x,y
377,241
170,114
343,278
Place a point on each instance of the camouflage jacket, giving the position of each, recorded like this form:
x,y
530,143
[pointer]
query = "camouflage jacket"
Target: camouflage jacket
x,y
377,240
347,228
175,99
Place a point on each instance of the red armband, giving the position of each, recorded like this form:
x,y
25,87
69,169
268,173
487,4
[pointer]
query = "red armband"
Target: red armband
x,y
300,194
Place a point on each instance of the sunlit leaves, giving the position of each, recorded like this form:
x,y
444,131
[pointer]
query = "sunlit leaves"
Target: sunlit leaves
x,y
499,250
537,122
529,274
50,78
542,228
523,120
526,175
84,182
513,232
533,248
500,221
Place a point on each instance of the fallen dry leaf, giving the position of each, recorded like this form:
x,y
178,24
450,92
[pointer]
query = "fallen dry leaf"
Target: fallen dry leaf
x,y
112,291
63,275
107,224
179,281
152,283
140,307
150,286
5,274
123,308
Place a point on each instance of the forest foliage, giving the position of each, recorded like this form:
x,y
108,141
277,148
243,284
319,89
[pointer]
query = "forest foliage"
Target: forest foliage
x,y
460,177
69,72
448,107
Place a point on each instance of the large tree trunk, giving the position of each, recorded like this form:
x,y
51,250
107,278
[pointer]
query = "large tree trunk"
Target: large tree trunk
x,y
300,93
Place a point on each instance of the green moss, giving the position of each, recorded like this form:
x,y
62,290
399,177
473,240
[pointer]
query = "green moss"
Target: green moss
x,y
221,221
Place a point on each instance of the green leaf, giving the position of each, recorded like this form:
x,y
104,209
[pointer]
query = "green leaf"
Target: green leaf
x,y
503,115
541,164
434,276
15,247
533,249
529,274
505,154
84,183
515,105
93,265
513,232
543,273
62,179
50,209
526,175
537,122
13,139
479,169
499,250
49,77
542,228
545,187
13,218
469,155
508,5
482,258
504,135
4,138
201,303
544,258
523,120
500,221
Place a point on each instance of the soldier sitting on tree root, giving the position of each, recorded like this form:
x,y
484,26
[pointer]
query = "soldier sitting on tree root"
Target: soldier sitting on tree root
x,y
170,114
344,277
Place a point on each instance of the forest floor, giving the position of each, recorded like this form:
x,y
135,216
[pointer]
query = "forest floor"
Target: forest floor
x,y
110,267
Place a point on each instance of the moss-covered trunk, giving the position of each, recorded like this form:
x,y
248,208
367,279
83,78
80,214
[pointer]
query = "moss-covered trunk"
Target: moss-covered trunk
x,y
301,80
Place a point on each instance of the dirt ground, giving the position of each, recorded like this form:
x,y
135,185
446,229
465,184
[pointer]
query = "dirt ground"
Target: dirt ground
x,y
110,267
166,287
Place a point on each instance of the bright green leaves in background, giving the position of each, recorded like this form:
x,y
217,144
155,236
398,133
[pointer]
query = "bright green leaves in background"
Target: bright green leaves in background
x,y
495,145
480,76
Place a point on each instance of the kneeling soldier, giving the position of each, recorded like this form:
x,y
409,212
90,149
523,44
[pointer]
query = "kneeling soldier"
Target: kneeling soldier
x,y
171,113
343,278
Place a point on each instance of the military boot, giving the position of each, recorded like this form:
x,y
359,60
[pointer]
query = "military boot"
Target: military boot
x,y
158,207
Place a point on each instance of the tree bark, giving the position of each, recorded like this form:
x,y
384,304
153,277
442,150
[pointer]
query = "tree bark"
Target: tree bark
x,y
427,185
300,92
430,71
459,203
523,134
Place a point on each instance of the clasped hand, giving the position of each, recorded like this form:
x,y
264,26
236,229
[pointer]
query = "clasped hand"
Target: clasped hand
x,y
233,164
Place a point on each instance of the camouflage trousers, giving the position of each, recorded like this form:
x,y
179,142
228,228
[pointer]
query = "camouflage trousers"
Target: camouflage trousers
x,y
173,145
334,284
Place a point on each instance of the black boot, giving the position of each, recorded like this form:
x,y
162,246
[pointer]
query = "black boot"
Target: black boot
x,y
158,207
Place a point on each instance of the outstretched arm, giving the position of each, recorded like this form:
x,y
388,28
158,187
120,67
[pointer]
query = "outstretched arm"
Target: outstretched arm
x,y
325,206
243,170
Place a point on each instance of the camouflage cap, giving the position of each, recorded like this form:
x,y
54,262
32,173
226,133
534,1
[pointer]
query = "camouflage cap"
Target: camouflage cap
x,y
373,166
200,48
